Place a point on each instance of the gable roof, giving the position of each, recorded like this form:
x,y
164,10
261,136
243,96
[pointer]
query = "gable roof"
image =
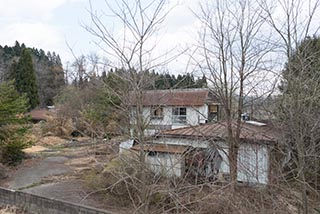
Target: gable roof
x,y
249,131
176,97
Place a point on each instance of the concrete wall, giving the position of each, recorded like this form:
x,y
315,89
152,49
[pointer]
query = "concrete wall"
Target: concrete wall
x,y
38,205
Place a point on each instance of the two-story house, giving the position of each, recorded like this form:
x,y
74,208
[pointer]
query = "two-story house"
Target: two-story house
x,y
178,108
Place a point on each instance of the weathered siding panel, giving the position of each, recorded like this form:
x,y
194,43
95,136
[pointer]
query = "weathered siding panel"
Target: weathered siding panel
x,y
252,158
166,164
253,163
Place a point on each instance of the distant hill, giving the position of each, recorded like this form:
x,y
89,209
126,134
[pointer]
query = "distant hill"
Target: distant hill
x,y
48,68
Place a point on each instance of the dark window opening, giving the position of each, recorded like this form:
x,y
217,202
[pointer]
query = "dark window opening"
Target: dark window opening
x,y
213,113
179,115
156,113
152,153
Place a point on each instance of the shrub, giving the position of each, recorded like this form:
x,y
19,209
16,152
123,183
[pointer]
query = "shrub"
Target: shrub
x,y
12,143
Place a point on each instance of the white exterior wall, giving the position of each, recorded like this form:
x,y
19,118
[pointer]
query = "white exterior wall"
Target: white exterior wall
x,y
203,114
195,116
253,164
253,159
166,164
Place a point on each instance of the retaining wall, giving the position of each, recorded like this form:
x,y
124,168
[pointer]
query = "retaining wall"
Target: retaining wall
x,y
38,205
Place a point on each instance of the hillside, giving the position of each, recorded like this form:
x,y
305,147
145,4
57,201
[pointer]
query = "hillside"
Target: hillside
x,y
48,68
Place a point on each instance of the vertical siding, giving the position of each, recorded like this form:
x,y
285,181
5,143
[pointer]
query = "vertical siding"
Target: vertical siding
x,y
253,163
224,167
166,164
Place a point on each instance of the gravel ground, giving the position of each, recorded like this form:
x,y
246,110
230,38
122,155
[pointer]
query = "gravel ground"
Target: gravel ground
x,y
58,174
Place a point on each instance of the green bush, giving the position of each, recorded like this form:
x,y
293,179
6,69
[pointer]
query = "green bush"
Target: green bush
x,y
12,143
12,153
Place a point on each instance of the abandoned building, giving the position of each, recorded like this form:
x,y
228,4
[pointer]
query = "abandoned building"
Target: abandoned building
x,y
202,152
171,109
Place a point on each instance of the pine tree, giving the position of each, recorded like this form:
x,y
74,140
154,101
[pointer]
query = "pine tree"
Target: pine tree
x,y
11,104
25,78
12,108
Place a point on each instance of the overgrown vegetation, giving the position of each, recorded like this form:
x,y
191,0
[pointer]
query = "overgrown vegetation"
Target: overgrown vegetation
x,y
120,185
234,54
91,110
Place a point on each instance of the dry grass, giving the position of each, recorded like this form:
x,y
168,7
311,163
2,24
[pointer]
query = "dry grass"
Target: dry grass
x,y
120,184
34,149
10,210
51,141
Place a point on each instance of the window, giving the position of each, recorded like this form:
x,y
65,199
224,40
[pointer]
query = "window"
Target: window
x,y
213,113
179,115
213,108
152,153
156,113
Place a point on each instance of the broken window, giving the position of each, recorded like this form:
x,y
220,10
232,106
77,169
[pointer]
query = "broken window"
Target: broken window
x,y
156,112
203,164
213,113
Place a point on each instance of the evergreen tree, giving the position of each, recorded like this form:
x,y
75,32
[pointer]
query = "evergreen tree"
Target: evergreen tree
x,y
299,110
201,82
48,70
25,78
12,109
12,71
11,104
17,49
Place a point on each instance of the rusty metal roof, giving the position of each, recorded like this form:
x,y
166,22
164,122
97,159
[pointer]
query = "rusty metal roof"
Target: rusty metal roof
x,y
176,149
254,133
39,114
177,97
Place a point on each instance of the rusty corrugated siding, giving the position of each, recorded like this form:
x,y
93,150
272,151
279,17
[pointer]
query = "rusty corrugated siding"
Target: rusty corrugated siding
x,y
177,149
219,130
39,114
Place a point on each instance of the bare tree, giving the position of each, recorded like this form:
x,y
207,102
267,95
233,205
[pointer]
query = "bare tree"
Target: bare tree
x,y
299,102
131,48
233,50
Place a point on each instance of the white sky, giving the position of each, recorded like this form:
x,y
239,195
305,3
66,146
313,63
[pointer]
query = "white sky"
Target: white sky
x,y
50,24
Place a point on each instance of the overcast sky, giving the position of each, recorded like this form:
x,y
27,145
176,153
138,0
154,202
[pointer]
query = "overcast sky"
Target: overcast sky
x,y
50,24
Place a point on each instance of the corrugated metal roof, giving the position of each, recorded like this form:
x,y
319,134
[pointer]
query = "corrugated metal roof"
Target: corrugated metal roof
x,y
178,97
219,131
177,149
39,114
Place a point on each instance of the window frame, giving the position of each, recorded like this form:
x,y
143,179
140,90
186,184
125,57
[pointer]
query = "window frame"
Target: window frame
x,y
179,115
